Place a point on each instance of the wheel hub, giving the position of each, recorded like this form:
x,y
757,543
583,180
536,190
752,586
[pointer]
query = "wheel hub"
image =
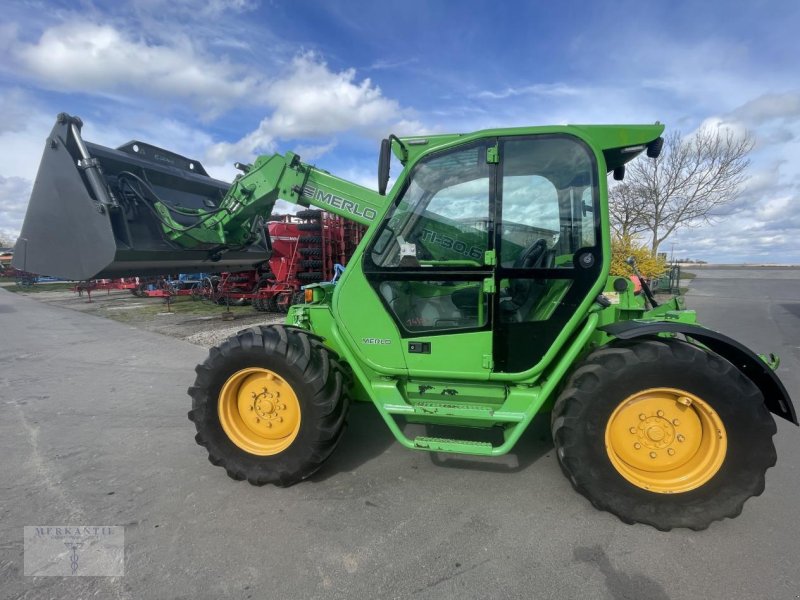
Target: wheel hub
x,y
259,411
665,440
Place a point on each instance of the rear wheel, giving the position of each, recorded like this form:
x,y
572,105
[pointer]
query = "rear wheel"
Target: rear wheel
x,y
269,405
310,276
664,433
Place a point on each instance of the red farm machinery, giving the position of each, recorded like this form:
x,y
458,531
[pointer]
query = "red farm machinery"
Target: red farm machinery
x,y
306,247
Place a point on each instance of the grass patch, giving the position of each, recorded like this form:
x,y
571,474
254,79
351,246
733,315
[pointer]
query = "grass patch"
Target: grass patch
x,y
39,287
687,275
181,306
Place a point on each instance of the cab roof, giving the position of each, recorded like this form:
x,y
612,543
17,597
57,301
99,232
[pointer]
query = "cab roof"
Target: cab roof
x,y
618,143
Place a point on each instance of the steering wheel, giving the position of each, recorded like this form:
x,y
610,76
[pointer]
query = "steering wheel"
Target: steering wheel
x,y
532,255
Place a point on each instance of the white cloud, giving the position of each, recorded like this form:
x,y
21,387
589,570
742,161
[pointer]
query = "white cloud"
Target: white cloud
x,y
770,107
310,101
14,194
554,90
22,136
98,59
310,153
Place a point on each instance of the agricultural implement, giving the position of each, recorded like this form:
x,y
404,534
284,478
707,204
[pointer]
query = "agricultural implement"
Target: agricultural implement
x,y
94,285
306,247
478,297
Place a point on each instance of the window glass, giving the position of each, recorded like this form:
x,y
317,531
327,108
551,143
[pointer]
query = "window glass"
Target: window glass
x,y
587,222
436,305
547,202
442,217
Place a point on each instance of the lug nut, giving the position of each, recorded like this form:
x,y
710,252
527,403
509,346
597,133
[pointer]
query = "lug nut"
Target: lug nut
x,y
681,438
671,451
676,422
632,430
653,455
637,445
642,417
269,424
660,413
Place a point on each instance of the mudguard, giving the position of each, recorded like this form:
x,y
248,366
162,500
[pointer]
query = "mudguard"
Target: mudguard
x,y
775,395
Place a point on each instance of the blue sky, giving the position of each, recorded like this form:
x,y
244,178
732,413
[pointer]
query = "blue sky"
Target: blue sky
x,y
225,80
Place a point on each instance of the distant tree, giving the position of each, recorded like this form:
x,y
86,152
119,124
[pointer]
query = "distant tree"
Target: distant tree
x,y
625,208
6,241
682,187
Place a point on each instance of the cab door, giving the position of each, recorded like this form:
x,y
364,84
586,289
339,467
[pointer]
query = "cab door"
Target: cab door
x,y
548,245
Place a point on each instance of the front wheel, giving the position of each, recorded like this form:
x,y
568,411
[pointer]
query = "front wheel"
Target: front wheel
x,y
664,433
269,405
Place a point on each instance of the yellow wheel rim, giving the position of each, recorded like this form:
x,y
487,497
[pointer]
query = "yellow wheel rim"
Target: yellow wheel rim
x,y
666,440
259,411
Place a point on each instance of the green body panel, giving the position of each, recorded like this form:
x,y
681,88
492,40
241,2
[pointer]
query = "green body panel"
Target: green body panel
x,y
457,384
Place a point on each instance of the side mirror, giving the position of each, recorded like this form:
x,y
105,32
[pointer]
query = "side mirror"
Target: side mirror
x,y
383,165
619,173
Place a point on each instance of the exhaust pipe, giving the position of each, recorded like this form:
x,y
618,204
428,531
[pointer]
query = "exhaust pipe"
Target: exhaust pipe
x,y
81,223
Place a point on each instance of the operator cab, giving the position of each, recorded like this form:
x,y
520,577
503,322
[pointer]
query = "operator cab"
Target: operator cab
x,y
500,235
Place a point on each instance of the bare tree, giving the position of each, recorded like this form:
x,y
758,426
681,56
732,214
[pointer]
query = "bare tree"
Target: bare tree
x,y
689,180
625,208
6,241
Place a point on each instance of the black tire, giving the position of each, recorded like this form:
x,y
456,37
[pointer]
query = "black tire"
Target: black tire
x,y
314,226
311,264
310,276
310,213
610,375
270,305
258,304
310,239
316,377
283,302
298,298
311,251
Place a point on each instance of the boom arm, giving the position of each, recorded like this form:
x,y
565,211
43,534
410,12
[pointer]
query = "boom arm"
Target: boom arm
x,y
252,196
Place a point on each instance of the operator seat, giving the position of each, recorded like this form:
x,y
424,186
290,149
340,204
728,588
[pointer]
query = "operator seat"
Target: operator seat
x,y
523,294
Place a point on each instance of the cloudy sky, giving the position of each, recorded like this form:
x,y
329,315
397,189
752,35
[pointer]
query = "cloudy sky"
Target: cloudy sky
x,y
235,78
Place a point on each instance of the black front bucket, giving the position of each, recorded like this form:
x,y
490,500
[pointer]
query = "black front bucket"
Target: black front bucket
x,y
79,227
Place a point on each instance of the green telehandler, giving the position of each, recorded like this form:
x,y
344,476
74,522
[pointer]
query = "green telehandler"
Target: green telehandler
x,y
479,297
